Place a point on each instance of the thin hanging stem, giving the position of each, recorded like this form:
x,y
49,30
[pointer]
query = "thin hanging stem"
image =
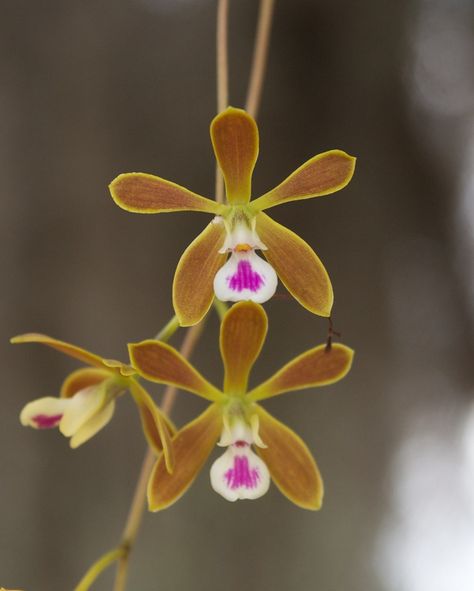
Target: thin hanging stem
x,y
189,344
260,54
96,569
222,55
222,65
134,520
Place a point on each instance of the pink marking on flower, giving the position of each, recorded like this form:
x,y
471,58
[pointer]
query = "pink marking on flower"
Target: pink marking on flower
x,y
47,421
245,278
241,475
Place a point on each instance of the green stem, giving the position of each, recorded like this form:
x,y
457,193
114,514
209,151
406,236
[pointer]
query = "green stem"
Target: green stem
x,y
168,330
221,308
98,567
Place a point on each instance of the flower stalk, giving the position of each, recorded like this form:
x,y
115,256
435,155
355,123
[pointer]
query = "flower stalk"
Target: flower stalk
x,y
222,69
98,567
168,330
262,42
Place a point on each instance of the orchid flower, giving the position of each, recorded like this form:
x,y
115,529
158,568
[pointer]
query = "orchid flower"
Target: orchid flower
x,y
235,420
86,402
241,227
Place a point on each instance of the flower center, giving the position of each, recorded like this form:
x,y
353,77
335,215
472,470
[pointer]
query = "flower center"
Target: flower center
x,y
244,247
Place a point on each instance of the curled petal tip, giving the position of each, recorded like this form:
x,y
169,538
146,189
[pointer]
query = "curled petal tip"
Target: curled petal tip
x,y
26,338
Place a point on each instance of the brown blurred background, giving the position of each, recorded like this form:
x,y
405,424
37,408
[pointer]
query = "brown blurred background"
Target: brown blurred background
x,y
90,89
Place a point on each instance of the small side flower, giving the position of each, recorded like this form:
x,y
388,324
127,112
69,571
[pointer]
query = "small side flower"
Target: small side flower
x,y
87,398
82,413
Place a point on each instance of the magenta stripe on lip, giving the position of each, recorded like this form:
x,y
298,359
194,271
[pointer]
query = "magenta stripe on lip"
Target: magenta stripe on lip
x,y
245,278
241,476
46,421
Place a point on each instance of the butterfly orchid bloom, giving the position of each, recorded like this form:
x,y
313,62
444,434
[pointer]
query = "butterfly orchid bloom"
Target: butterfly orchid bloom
x,y
235,420
87,398
240,227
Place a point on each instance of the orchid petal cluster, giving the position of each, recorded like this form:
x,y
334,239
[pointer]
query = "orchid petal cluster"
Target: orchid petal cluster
x,y
258,446
223,262
87,397
223,259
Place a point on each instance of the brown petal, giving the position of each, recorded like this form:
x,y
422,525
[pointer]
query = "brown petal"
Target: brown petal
x,y
321,175
193,289
139,192
158,362
290,463
156,427
315,367
243,332
297,265
82,378
67,348
192,446
234,136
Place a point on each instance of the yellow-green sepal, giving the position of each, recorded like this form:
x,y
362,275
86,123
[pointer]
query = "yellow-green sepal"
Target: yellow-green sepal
x,y
234,136
67,348
139,192
291,464
193,290
242,335
159,362
323,174
319,366
297,265
192,446
156,427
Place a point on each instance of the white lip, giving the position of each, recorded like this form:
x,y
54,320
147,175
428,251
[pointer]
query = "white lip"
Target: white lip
x,y
245,276
240,474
